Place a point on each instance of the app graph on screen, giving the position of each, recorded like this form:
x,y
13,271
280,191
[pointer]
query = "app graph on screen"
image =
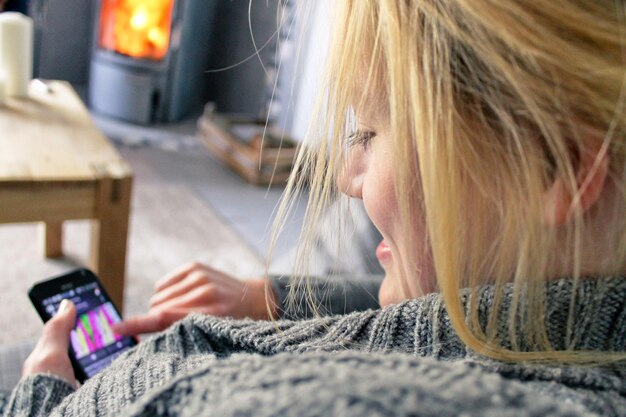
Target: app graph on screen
x,y
93,330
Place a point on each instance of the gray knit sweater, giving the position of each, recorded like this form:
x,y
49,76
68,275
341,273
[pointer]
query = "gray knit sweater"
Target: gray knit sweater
x,y
404,360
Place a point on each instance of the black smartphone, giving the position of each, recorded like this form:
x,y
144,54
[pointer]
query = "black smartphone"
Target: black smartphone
x,y
93,345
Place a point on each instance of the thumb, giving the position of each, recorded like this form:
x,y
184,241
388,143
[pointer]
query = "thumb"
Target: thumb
x,y
57,330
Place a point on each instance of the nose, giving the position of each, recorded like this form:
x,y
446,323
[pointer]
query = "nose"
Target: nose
x,y
350,180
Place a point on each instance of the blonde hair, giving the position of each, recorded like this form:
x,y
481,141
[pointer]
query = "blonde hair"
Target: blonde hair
x,y
533,78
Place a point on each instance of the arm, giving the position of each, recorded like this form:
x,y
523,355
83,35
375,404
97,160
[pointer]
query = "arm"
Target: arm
x,y
349,384
47,374
385,329
201,289
37,395
339,295
198,341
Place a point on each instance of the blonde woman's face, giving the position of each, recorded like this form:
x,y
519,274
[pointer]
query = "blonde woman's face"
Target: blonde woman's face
x,y
369,175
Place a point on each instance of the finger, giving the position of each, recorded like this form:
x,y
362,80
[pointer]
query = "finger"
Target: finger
x,y
191,281
148,323
219,276
56,332
197,297
177,275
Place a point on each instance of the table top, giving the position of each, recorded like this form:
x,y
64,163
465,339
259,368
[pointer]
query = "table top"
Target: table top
x,y
50,137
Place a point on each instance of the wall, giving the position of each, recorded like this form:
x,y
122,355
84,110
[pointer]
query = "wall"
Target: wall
x,y
63,39
236,79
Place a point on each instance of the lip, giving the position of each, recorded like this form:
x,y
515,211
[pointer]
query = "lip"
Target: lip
x,y
383,252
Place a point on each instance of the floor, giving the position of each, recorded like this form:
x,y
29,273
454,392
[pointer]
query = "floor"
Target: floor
x,y
186,206
247,208
170,225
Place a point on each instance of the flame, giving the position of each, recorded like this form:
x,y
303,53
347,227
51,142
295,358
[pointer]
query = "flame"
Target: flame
x,y
138,28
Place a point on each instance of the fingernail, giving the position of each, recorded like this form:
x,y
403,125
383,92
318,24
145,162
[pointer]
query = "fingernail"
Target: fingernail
x,y
64,306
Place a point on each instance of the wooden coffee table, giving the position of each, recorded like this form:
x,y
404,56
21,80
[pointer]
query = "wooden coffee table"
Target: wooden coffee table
x,y
56,166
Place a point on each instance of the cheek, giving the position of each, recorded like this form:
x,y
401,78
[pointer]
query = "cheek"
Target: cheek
x,y
407,274
380,201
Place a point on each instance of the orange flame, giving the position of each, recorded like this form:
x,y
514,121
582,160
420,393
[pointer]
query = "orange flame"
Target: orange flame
x,y
138,28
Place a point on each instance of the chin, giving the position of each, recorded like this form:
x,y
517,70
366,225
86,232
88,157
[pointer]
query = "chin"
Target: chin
x,y
388,294
393,292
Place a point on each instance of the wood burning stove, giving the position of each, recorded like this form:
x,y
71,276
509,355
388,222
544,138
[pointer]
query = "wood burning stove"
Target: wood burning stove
x,y
148,59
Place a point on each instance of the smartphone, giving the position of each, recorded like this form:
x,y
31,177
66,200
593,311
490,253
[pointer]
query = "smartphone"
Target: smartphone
x,y
93,345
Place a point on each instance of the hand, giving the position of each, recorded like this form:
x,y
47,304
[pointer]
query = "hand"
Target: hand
x,y
50,353
199,288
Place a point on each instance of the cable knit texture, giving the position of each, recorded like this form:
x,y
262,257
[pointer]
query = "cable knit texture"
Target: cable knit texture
x,y
404,360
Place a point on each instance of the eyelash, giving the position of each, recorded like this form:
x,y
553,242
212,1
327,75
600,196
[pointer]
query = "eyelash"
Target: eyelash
x,y
361,137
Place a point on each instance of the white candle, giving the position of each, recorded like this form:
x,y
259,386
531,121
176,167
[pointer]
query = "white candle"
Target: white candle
x,y
3,90
16,52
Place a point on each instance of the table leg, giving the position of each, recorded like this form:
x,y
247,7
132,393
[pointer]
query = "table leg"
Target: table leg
x,y
53,239
109,236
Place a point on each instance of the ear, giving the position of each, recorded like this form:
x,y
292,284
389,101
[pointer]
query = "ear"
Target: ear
x,y
560,205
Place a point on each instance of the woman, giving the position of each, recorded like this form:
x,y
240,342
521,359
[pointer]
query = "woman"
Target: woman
x,y
489,152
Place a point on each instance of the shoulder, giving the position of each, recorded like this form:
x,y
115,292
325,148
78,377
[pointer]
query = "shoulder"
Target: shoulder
x,y
349,384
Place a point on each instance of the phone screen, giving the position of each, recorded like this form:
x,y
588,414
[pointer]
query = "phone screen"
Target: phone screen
x,y
93,343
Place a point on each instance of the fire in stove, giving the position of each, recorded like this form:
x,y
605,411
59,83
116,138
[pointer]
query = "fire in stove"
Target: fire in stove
x,y
137,28
149,58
